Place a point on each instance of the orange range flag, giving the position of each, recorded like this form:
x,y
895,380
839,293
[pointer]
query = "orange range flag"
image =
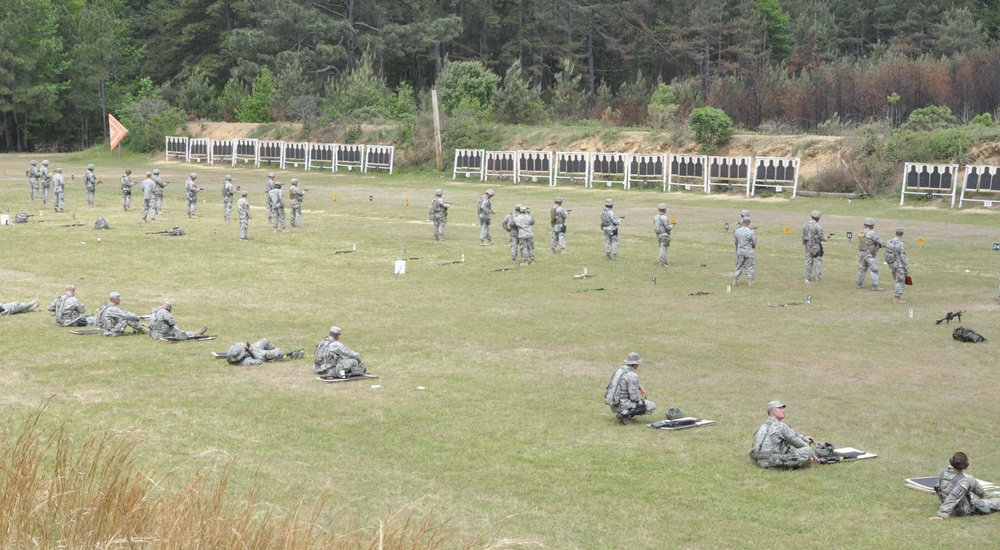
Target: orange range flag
x,y
116,130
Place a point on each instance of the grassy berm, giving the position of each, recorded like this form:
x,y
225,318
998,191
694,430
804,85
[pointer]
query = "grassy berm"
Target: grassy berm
x,y
488,409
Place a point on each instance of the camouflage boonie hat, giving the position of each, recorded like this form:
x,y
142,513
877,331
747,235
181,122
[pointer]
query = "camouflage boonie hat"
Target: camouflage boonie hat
x,y
156,171
236,353
673,413
633,359
746,219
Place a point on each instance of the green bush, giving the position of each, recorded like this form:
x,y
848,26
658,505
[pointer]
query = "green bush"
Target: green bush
x,y
467,85
256,107
711,126
662,107
149,120
232,96
358,96
517,102
984,119
466,129
929,118
196,97
353,134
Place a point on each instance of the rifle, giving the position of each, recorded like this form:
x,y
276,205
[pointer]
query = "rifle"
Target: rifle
x,y
72,225
338,252
949,316
589,290
501,269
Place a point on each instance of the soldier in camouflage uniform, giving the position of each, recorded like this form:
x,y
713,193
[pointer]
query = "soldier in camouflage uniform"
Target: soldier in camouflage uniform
x,y
508,224
743,214
260,352
955,490
485,211
525,234
11,308
813,238
46,181
746,242
895,256
868,245
335,360
624,394
163,325
277,200
227,198
439,214
69,310
243,211
127,190
59,190
33,174
191,193
662,228
90,182
113,320
776,445
296,193
268,186
148,196
158,187
609,224
557,217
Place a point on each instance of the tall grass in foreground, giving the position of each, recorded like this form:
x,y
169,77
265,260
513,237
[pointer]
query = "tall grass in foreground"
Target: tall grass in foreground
x,y
56,492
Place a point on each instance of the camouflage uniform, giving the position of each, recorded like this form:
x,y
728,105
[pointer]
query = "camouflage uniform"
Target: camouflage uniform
x,y
746,242
609,224
776,445
439,214
868,245
191,193
70,311
158,187
260,352
335,359
46,180
148,196
243,211
33,174
163,325
268,186
113,320
525,235
662,228
955,490
11,308
895,256
813,238
557,216
508,224
624,395
277,200
296,194
59,190
484,211
227,198
127,190
90,182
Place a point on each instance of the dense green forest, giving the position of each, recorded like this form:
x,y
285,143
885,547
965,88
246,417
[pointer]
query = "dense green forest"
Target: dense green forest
x,y
778,65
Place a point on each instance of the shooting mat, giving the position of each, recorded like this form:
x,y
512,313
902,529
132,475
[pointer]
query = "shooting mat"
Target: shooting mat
x,y
926,484
681,423
351,378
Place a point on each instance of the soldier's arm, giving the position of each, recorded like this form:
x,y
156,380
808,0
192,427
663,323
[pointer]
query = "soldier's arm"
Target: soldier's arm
x,y
953,498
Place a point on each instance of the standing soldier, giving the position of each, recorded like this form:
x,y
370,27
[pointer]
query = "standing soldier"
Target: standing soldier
x,y
439,214
746,242
868,245
158,186
268,186
191,192
557,216
46,181
148,196
743,214
127,190
508,224
33,175
813,238
243,211
525,234
485,210
277,206
662,228
609,224
59,189
296,193
227,198
895,256
90,182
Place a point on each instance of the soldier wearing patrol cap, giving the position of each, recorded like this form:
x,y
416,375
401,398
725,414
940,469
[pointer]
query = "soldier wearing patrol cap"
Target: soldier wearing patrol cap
x,y
557,216
277,200
813,239
158,186
662,228
59,190
743,214
868,245
191,193
485,211
333,359
33,174
227,198
895,256
268,186
127,190
296,194
243,211
624,395
90,182
609,224
508,224
46,181
439,214
776,445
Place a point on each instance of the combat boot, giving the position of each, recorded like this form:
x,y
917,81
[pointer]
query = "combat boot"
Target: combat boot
x,y
33,305
143,329
624,419
877,289
297,354
898,300
201,331
607,255
437,237
749,282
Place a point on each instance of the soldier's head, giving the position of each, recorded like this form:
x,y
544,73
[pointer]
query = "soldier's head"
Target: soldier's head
x,y
270,175
662,207
34,163
776,409
243,193
869,222
167,306
128,171
156,171
115,298
745,221
194,176
899,231
70,290
633,360
295,181
959,461
90,167
816,214
59,170
335,332
45,163
229,178
490,193
518,208
609,203
744,213
559,200
149,174
277,185
237,352
438,192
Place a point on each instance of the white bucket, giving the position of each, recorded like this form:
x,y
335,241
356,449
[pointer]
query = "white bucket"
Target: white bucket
x,y
4,219
400,267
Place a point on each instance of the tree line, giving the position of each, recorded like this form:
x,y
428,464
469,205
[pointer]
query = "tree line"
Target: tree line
x,y
768,64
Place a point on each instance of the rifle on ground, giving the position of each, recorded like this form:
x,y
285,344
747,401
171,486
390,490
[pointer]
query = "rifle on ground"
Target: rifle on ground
x,y
499,269
949,316
72,225
589,290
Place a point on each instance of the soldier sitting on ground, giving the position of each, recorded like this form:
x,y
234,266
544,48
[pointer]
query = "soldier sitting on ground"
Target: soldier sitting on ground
x,y
70,310
776,445
955,490
113,320
163,325
335,360
258,353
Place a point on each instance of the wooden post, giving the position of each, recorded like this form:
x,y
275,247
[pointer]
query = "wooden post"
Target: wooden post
x,y
437,131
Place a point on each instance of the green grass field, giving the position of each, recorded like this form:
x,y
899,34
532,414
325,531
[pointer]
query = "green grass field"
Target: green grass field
x,y
511,423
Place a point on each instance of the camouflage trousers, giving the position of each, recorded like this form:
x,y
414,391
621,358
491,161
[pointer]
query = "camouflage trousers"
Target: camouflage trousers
x,y
45,192
227,208
90,196
10,308
899,280
33,185
484,230
244,225
811,262
192,205
867,262
345,367
610,243
631,409
296,213
126,199
118,328
147,205
527,246
744,262
278,216
794,458
558,237
439,226
513,245
60,200
664,245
